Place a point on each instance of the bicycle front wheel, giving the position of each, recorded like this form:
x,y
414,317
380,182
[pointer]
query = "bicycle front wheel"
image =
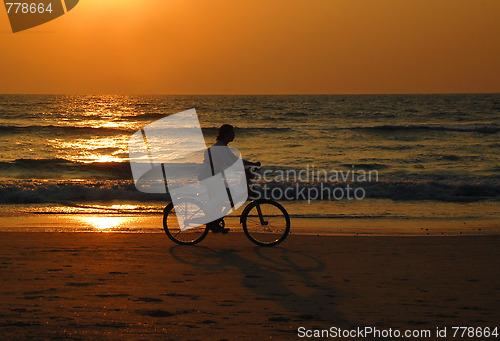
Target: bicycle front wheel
x,y
187,210
265,222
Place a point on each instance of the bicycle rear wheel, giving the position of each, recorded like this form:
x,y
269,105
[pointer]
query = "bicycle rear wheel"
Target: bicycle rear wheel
x,y
187,210
265,222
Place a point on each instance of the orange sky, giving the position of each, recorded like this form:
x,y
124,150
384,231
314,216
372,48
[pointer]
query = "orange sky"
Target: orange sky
x,y
257,47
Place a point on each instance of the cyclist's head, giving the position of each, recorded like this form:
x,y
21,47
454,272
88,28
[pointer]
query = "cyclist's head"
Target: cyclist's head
x,y
226,133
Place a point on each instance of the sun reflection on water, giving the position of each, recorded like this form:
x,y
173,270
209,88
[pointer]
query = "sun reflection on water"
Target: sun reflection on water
x,y
104,223
108,149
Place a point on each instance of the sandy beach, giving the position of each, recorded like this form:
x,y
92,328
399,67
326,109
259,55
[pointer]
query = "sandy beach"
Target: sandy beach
x,y
142,286
367,130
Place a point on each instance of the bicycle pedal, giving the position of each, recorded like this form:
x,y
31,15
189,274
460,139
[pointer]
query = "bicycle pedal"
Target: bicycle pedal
x,y
221,230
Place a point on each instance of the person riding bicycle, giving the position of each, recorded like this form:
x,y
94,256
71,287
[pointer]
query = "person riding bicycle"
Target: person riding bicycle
x,y
223,158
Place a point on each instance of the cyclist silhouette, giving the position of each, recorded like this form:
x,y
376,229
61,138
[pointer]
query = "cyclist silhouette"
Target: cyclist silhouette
x,y
216,162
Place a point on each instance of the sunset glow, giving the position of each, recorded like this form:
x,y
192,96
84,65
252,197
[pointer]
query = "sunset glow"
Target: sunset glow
x,y
248,47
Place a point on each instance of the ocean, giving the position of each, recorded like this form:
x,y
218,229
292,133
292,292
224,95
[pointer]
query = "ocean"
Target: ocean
x,y
429,156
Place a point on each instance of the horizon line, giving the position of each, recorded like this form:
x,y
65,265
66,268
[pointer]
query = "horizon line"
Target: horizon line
x,y
252,94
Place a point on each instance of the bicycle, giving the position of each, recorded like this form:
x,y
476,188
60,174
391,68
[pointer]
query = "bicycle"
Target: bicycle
x,y
265,222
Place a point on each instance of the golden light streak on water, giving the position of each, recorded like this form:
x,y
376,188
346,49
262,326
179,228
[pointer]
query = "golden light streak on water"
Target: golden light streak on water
x,y
104,223
108,149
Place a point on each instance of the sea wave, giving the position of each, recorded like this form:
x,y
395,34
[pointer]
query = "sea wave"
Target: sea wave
x,y
54,129
50,130
438,127
61,168
67,192
71,191
384,128
396,190
212,131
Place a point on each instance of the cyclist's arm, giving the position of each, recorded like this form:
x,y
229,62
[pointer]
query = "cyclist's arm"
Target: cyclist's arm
x,y
249,163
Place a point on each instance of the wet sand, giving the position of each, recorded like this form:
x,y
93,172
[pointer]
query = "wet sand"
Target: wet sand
x,y
142,286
